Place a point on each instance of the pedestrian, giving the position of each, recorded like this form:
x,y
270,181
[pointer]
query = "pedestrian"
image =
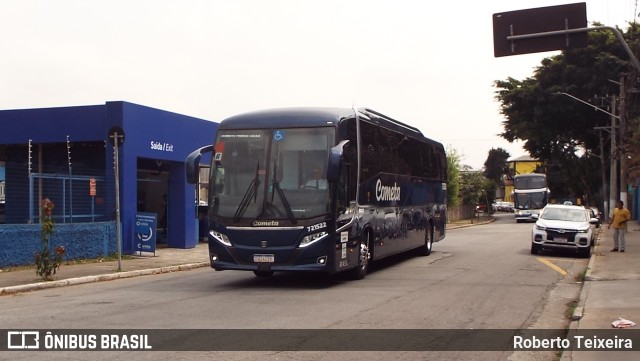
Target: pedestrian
x,y
619,223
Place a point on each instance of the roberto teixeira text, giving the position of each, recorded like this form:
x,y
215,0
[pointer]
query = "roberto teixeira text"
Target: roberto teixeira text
x,y
576,343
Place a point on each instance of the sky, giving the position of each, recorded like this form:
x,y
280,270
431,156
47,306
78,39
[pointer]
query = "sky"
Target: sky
x,y
427,64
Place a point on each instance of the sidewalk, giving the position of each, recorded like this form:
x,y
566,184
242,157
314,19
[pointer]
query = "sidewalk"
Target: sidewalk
x,y
611,290
165,260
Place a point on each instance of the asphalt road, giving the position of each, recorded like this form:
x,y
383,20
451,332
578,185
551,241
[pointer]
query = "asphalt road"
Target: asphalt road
x,y
481,277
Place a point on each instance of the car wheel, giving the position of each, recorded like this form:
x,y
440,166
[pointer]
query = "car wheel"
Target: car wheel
x,y
585,252
535,248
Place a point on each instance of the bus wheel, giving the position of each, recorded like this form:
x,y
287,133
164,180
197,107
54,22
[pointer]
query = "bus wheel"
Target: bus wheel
x,y
263,274
425,250
363,258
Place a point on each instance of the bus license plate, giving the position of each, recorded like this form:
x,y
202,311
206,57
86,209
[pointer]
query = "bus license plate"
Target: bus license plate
x,y
263,258
560,239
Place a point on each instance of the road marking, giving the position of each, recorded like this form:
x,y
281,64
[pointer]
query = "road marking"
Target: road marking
x,y
552,266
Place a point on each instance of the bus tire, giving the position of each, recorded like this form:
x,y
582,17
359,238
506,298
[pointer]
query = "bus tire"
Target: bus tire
x,y
263,274
426,248
364,256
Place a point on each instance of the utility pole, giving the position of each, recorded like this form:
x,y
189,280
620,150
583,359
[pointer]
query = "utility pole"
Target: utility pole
x,y
613,167
604,178
623,142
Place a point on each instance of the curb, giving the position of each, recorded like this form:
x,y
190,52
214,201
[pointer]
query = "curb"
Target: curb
x,y
480,223
578,312
99,278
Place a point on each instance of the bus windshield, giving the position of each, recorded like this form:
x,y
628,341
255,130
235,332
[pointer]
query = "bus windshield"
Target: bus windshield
x,y
531,200
271,174
530,181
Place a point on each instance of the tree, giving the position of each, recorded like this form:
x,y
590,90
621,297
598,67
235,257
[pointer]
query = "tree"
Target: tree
x,y
495,167
473,187
453,174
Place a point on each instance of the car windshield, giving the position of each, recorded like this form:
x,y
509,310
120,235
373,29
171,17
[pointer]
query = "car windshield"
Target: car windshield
x,y
270,174
564,214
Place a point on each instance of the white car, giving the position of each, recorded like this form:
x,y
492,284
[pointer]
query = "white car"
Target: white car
x,y
563,227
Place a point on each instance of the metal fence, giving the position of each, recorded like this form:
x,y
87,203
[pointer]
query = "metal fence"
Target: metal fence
x,y
74,197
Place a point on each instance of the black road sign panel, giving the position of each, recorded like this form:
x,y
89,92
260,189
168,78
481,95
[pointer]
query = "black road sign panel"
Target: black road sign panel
x,y
539,20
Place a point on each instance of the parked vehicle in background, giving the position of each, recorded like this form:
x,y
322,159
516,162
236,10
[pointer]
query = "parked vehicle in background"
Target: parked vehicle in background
x,y
530,195
501,206
563,227
597,214
594,213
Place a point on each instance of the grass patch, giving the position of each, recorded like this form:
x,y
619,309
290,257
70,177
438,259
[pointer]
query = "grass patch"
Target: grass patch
x,y
571,308
110,258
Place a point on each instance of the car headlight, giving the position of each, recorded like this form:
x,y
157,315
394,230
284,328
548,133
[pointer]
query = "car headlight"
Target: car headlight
x,y
222,238
312,238
586,230
540,228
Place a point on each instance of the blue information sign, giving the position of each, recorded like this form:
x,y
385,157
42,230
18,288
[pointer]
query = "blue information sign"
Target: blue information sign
x,y
146,232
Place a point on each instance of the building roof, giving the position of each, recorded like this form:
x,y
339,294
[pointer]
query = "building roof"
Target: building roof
x,y
523,158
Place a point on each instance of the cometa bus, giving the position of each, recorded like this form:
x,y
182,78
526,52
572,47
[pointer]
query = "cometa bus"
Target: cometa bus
x,y
320,189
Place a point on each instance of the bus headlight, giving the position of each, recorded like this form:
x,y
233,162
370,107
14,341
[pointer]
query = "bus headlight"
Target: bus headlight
x,y
312,238
220,238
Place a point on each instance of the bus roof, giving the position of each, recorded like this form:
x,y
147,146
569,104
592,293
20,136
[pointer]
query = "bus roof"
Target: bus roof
x,y
287,117
315,117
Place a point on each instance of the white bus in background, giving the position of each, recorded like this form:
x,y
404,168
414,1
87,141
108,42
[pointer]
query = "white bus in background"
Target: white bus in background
x,y
530,195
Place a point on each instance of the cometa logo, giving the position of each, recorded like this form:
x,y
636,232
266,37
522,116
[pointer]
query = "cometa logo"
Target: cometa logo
x,y
265,223
387,193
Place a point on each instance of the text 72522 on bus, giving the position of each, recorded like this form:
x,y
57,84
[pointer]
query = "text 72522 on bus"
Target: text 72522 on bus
x,y
320,189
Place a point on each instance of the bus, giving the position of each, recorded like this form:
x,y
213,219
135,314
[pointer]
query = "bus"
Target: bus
x,y
530,195
320,189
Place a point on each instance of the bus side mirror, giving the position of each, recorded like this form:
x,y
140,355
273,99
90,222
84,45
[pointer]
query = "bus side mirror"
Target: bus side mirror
x,y
335,161
192,164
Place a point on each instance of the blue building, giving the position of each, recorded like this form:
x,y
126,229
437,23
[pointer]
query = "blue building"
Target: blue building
x,y
65,154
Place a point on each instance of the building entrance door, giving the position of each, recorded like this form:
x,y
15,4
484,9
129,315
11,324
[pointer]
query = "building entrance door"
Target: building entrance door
x,y
152,190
